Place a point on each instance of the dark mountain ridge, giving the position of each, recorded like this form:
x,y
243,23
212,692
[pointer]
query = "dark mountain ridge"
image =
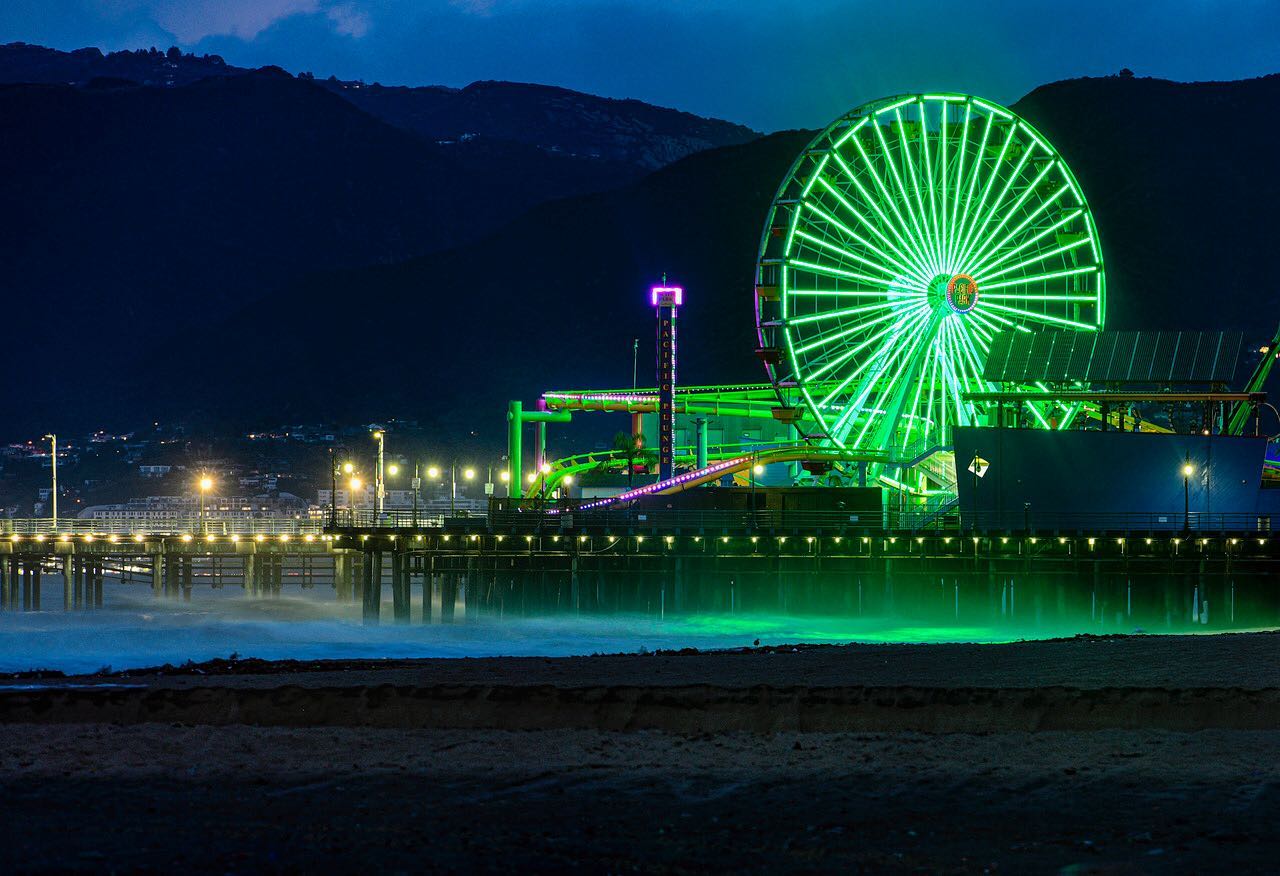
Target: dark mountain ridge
x,y
1184,212
618,134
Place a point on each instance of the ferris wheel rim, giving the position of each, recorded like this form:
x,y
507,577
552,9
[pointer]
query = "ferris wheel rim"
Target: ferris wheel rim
x,y
936,262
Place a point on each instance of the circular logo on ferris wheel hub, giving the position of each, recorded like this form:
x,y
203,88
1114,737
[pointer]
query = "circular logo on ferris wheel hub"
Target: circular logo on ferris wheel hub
x,y
962,293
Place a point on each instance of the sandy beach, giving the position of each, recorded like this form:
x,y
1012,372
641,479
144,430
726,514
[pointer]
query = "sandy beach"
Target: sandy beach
x,y
1136,755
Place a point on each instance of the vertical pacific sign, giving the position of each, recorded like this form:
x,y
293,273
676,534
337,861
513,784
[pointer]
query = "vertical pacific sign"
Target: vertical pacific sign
x,y
667,299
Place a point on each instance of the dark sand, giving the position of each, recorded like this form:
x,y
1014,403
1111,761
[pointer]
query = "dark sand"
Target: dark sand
x,y
1088,755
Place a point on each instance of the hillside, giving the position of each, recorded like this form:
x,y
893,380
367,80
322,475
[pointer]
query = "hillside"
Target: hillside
x,y
1180,178
623,136
557,120
554,299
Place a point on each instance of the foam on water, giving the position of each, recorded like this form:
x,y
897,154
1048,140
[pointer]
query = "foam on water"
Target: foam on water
x,y
137,630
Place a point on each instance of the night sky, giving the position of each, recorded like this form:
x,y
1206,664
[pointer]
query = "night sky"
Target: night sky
x,y
767,64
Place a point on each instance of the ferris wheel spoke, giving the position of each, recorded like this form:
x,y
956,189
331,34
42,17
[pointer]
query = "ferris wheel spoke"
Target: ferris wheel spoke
x,y
901,231
843,357
884,356
851,331
927,163
831,271
921,218
980,228
1035,259
860,292
920,238
906,358
1046,318
933,388
975,171
1067,219
862,241
992,175
943,171
915,402
987,247
1037,278
875,229
845,253
969,369
825,315
980,249
953,229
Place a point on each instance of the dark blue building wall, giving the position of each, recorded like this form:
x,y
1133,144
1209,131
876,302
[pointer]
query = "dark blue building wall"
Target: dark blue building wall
x,y
1110,479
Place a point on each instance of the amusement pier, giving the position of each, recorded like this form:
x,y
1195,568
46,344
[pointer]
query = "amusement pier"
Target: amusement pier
x,y
939,400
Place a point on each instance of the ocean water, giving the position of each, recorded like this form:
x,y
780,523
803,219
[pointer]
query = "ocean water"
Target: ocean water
x,y
135,628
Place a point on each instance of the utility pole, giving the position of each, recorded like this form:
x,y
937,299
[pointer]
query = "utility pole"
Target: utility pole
x,y
635,361
53,456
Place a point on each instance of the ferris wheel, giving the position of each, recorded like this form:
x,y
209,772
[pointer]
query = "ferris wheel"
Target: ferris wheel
x,y
903,238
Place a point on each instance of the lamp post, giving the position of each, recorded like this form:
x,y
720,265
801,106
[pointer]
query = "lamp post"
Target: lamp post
x,y
353,485
348,469
756,470
53,456
1187,471
416,485
206,484
379,484
467,474
333,489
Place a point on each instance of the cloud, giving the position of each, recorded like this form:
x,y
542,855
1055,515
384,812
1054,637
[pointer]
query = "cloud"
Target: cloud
x,y
192,20
348,20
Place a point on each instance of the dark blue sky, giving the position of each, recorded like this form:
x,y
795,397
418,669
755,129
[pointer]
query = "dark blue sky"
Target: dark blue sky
x,y
766,64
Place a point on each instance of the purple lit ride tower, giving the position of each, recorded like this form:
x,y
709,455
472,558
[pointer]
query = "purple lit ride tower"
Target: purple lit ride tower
x,y
666,300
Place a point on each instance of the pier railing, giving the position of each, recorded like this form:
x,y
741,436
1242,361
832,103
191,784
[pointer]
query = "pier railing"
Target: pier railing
x,y
184,525
667,521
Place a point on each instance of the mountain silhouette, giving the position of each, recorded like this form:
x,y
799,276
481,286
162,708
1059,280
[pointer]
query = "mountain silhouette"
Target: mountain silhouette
x,y
259,247
555,299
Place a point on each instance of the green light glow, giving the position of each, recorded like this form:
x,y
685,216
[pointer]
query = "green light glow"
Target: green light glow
x,y
882,220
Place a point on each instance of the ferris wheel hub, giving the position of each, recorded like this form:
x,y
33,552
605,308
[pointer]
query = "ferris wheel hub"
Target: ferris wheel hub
x,y
960,291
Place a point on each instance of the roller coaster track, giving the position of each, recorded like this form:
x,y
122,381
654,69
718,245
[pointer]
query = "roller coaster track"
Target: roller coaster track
x,y
743,462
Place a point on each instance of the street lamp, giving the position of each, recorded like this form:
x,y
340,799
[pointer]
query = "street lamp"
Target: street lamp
x,y
467,474
206,484
756,470
353,485
1187,471
53,456
379,488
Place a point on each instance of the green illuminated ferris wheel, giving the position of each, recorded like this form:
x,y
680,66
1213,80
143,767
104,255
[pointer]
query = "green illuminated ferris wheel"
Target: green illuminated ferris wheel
x,y
902,239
